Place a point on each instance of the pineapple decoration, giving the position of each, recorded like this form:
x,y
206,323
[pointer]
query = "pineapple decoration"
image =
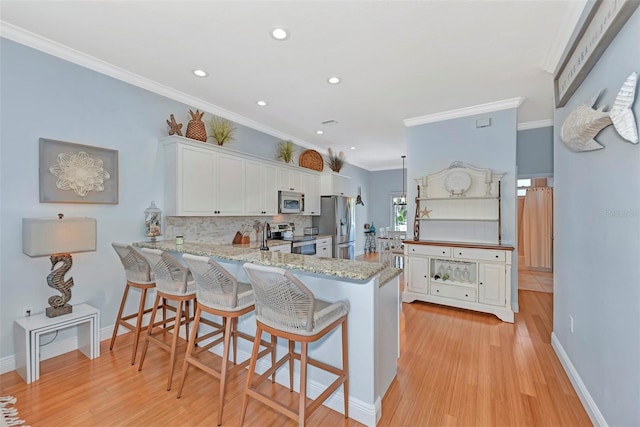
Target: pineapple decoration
x,y
195,128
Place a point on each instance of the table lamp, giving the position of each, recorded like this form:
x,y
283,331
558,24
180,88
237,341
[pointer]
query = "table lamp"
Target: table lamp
x,y
57,238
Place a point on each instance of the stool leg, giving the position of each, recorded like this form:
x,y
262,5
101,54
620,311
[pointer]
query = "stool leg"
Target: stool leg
x,y
274,346
291,360
345,368
116,326
235,340
174,343
302,404
223,368
136,333
145,346
252,368
190,349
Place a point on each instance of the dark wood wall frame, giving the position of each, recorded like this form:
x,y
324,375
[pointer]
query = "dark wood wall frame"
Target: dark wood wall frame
x,y
602,24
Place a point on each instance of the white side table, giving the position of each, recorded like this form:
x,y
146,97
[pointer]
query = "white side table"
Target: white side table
x,y
27,332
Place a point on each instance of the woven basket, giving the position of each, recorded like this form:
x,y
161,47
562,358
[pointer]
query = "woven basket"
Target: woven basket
x,y
196,130
311,159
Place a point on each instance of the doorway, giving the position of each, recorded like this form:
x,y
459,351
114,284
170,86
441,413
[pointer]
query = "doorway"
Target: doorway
x,y
535,234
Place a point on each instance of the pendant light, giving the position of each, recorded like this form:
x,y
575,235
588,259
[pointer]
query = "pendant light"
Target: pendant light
x,y
403,198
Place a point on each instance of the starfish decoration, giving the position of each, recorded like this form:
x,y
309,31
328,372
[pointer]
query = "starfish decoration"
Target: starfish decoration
x,y
424,213
174,127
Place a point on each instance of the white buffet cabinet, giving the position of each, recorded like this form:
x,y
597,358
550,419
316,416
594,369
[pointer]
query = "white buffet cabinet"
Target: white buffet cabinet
x,y
206,180
471,276
463,264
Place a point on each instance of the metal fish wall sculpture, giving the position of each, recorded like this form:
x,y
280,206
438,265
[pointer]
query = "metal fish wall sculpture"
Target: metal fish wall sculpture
x,y
585,122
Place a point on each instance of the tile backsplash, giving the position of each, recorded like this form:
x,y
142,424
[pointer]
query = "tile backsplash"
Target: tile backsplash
x,y
221,229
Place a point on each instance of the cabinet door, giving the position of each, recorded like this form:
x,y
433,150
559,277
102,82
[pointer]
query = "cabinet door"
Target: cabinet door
x,y
492,284
261,194
289,180
417,274
196,189
230,185
323,251
312,198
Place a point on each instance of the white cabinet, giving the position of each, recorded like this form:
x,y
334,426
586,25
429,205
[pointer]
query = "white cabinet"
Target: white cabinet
x,y
311,189
324,247
417,274
230,179
261,194
289,180
281,248
202,182
474,277
334,184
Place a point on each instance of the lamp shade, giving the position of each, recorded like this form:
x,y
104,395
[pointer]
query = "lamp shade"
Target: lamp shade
x,y
46,236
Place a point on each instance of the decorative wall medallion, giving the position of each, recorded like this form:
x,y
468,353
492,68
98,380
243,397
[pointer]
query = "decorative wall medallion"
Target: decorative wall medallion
x,y
584,123
79,172
457,183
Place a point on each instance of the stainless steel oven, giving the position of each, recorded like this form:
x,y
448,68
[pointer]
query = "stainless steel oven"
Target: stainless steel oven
x,y
304,247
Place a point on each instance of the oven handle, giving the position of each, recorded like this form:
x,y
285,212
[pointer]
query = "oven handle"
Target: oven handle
x,y
303,243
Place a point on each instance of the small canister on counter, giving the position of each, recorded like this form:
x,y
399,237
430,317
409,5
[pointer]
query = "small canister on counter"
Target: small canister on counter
x,y
179,240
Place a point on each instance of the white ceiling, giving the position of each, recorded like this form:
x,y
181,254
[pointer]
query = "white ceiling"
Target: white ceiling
x,y
397,59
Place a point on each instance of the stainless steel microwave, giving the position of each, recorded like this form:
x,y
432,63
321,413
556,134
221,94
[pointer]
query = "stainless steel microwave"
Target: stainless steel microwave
x,y
290,202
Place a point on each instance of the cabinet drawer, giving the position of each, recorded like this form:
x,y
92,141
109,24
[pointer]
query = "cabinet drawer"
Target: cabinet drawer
x,y
324,242
456,292
480,254
442,251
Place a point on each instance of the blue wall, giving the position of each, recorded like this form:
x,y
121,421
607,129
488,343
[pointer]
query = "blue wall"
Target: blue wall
x,y
534,155
597,247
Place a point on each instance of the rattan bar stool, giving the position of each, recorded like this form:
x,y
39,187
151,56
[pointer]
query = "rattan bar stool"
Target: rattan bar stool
x,y
220,294
287,309
139,276
173,283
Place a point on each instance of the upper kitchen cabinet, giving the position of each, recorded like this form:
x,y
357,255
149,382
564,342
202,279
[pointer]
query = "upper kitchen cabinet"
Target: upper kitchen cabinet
x,y
311,189
289,179
334,184
202,181
261,195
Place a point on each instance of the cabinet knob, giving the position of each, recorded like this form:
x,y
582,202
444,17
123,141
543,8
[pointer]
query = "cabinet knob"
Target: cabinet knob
x,y
496,256
466,295
437,290
443,252
481,283
459,253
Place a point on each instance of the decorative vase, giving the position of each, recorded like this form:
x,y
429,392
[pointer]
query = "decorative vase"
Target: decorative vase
x,y
195,128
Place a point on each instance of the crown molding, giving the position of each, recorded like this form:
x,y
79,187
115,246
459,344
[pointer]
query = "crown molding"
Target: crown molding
x,y
561,39
536,124
32,40
464,112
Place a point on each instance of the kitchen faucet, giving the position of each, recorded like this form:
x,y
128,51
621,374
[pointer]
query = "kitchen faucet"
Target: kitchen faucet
x,y
263,240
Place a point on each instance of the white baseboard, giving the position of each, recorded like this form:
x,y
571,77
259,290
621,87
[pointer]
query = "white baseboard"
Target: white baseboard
x,y
583,393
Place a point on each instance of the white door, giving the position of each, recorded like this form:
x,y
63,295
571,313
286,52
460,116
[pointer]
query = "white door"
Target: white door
x,y
492,284
417,274
196,190
230,185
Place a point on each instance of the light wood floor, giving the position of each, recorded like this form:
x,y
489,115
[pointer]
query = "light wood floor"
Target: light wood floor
x,y
457,368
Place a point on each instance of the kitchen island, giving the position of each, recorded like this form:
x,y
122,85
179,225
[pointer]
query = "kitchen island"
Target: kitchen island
x,y
373,322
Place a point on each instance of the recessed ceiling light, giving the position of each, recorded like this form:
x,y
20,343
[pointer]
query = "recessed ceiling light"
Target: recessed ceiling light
x,y
319,132
279,33
200,73
262,103
333,80
353,148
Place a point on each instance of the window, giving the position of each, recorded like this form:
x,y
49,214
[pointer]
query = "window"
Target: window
x,y
398,214
523,184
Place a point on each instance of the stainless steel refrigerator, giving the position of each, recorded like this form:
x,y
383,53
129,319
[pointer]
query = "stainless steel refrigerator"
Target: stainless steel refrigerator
x,y
338,219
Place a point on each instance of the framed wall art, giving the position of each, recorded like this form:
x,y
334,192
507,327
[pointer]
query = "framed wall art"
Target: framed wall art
x,y
76,173
600,27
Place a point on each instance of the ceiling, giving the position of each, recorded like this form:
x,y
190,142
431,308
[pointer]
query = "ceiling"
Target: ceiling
x,y
397,59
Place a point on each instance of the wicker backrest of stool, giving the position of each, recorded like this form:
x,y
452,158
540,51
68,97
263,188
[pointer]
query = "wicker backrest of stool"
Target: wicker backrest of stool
x,y
171,276
136,266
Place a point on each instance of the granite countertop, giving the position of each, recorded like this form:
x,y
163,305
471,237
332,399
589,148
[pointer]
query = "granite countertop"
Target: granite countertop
x,y
346,269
